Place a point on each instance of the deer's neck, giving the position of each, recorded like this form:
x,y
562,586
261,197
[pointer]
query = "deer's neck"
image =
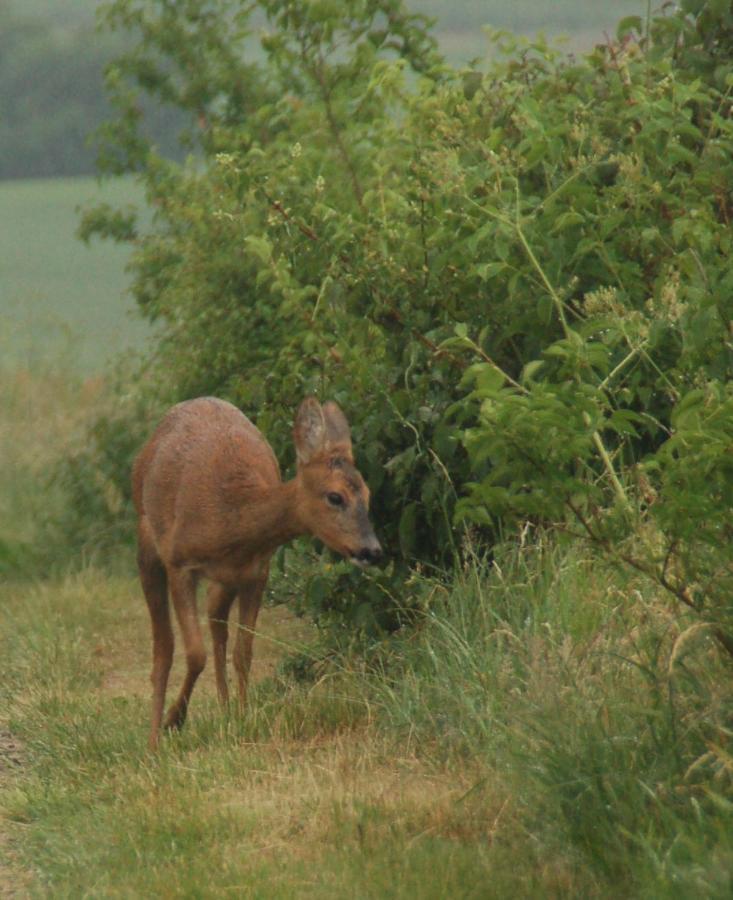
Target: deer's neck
x,y
272,521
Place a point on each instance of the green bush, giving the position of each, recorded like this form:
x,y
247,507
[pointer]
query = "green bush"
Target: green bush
x,y
515,282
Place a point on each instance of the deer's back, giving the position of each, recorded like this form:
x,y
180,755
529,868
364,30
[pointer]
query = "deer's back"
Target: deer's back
x,y
202,465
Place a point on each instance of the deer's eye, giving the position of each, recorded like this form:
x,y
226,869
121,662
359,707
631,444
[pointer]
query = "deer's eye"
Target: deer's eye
x,y
335,499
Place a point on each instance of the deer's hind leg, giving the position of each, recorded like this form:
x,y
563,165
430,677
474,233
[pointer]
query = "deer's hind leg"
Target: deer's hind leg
x,y
154,582
250,598
183,583
219,601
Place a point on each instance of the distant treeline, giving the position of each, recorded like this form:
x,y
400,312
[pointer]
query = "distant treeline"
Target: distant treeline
x,y
52,62
52,97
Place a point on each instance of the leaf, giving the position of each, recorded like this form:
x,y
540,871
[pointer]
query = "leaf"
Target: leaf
x,y
530,369
629,24
259,247
686,412
488,379
567,220
487,271
545,308
622,421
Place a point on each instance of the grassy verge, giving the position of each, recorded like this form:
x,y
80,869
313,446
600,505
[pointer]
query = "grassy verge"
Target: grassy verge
x,y
43,409
306,796
549,731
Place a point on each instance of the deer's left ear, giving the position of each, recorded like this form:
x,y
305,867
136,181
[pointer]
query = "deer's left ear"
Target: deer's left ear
x,y
338,433
309,430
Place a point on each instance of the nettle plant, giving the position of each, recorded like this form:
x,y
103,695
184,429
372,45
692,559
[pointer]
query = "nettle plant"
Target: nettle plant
x,y
515,280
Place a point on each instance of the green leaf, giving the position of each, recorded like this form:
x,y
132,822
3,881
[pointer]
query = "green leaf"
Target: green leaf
x,y
531,369
686,412
629,24
567,220
260,247
487,271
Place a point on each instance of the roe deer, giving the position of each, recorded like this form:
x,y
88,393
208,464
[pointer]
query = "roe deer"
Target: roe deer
x,y
211,503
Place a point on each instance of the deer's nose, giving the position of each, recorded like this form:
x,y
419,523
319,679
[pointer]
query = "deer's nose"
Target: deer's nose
x,y
370,554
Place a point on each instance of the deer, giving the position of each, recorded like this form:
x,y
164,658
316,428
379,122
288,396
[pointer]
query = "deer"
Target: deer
x,y
211,504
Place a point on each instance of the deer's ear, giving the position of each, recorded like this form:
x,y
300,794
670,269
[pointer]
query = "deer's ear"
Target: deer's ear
x,y
338,432
309,431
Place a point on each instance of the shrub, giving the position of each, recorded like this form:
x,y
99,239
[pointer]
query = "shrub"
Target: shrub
x,y
515,282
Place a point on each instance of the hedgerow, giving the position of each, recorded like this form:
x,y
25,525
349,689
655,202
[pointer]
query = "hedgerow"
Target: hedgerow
x,y
514,278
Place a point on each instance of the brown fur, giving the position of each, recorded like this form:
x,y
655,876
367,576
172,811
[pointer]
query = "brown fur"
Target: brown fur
x,y
211,504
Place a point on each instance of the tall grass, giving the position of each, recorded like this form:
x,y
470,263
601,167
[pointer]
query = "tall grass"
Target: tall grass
x,y
43,409
609,718
305,796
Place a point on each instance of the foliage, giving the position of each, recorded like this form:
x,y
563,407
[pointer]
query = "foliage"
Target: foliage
x,y
516,283
606,715
627,242
268,270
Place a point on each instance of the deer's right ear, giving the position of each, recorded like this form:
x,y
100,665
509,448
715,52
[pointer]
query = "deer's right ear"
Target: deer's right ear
x,y
309,431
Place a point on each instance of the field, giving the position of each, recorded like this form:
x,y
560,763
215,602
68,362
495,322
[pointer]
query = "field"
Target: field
x,y
551,730
58,297
579,25
535,739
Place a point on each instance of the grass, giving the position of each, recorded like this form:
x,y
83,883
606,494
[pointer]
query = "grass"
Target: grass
x,y
57,296
302,797
545,733
44,409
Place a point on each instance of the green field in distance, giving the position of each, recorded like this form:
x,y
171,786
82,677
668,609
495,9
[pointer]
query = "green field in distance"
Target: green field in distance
x,y
59,297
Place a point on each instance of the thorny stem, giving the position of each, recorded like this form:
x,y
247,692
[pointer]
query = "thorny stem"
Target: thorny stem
x,y
279,208
556,299
618,488
611,472
635,351
497,368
